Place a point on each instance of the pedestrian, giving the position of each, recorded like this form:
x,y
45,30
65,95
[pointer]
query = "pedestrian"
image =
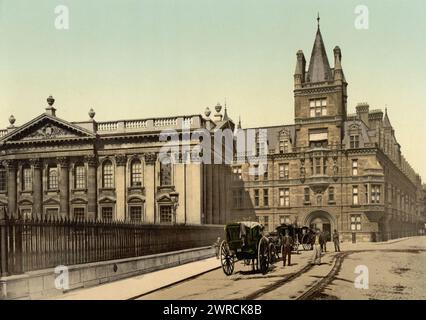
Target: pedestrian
x,y
216,245
316,258
336,241
324,237
286,248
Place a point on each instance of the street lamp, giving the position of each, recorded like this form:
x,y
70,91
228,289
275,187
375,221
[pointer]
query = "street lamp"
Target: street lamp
x,y
174,197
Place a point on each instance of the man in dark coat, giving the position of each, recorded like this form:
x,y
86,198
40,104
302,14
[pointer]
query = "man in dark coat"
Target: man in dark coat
x,y
287,246
336,241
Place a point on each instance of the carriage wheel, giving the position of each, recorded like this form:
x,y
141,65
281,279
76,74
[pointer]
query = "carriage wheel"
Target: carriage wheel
x,y
272,253
226,258
263,255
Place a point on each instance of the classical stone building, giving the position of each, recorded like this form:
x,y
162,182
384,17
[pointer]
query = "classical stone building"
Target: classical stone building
x,y
330,169
110,170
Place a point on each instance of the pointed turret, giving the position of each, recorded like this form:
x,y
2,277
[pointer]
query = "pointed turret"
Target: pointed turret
x,y
299,74
386,122
338,71
319,67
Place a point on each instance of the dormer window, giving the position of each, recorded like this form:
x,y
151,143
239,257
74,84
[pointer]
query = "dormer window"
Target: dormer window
x,y
318,108
284,141
354,141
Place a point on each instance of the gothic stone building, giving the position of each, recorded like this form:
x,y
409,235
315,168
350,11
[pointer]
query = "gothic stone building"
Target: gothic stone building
x,y
109,171
332,170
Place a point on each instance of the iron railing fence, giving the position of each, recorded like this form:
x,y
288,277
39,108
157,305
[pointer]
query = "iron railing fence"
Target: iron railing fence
x,y
39,243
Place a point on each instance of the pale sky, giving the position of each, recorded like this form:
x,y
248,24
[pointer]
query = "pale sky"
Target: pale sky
x,y
147,58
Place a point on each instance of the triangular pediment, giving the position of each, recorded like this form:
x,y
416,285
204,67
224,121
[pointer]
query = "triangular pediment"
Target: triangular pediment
x,y
47,128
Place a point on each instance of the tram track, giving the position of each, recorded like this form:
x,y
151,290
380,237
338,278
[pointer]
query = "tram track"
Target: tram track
x,y
315,290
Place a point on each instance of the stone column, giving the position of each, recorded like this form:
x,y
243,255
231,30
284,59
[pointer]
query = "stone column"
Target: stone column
x,y
120,186
92,192
64,198
11,187
149,184
37,188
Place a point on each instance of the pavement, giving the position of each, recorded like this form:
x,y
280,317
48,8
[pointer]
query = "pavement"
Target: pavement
x,y
143,284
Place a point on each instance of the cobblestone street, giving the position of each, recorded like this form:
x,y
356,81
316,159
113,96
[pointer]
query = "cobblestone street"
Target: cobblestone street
x,y
394,272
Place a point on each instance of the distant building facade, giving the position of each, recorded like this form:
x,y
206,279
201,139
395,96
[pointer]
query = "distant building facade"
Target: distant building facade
x,y
332,170
110,171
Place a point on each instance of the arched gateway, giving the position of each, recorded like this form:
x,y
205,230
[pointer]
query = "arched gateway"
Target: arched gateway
x,y
321,220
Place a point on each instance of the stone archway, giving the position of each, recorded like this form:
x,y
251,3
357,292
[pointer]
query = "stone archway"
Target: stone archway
x,y
321,220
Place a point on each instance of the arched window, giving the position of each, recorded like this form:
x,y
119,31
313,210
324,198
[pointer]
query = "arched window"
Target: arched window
x,y
3,179
80,176
52,178
136,173
107,175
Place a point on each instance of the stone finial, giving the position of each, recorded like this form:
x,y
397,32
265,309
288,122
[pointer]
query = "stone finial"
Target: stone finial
x,y
51,110
92,113
207,112
50,101
12,120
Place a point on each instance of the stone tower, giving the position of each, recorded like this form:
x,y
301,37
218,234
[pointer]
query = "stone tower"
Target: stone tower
x,y
320,95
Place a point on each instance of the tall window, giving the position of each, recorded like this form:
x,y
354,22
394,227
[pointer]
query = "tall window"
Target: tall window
x,y
375,194
284,171
307,195
355,222
256,172
3,179
136,173
136,213
355,167
354,141
165,174
166,214
52,178
80,176
283,146
265,197
266,222
285,219
317,165
108,174
238,198
324,165
27,180
79,213
367,200
284,195
107,213
331,194
265,172
318,108
237,173
355,199
256,197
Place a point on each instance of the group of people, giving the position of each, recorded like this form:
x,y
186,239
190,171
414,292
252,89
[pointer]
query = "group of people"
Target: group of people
x,y
319,245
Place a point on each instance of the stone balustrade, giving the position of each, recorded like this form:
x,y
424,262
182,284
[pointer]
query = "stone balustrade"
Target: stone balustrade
x,y
3,133
123,126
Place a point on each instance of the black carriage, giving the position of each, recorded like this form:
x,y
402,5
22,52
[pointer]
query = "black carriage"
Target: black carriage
x,y
307,237
244,242
293,232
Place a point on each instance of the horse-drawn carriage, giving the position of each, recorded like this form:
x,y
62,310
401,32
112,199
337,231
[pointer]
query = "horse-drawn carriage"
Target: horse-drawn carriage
x,y
244,242
307,236
301,236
